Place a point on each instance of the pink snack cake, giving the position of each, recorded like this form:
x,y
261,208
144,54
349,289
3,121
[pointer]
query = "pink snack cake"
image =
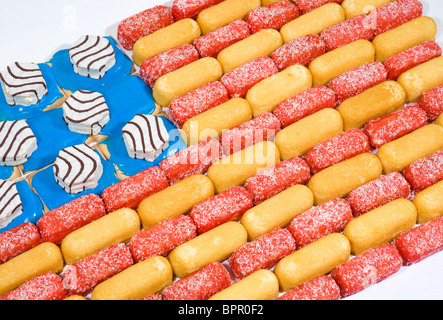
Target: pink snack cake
x,y
272,16
197,101
366,269
378,192
304,104
182,9
394,125
425,172
210,44
272,181
56,224
420,242
320,288
195,159
311,225
262,253
199,285
337,149
308,5
143,23
131,191
83,276
18,240
160,239
226,206
243,78
432,102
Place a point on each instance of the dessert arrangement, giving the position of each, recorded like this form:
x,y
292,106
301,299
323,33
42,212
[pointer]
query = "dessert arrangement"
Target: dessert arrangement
x,y
225,150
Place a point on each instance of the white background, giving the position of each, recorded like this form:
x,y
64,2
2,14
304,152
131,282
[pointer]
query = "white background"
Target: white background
x,y
32,31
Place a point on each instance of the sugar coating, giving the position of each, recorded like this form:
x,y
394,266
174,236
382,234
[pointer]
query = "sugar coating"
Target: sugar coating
x,y
425,172
320,288
243,78
432,102
355,81
304,104
395,125
199,285
18,240
272,16
378,192
367,268
162,238
182,9
155,296
262,253
308,5
83,276
329,217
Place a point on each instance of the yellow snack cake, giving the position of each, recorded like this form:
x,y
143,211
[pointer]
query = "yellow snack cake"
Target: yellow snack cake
x,y
175,200
313,260
181,81
340,179
181,32
115,227
136,282
260,285
313,22
235,169
262,43
46,257
296,139
225,12
266,2
268,93
373,103
429,203
215,245
380,225
398,154
422,78
277,211
439,120
404,37
341,60
356,7
75,297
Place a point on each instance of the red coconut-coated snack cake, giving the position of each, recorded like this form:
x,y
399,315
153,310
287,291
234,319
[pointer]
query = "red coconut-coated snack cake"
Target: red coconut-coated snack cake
x,y
355,81
197,101
262,128
353,29
83,276
167,61
155,296
48,286
425,172
411,58
396,13
299,51
226,206
337,149
366,269
56,224
304,104
311,225
272,16
308,5
199,285
378,192
394,125
271,181
143,23
210,44
262,253
18,240
420,242
320,288
243,78
182,9
432,102
195,159
131,191
160,239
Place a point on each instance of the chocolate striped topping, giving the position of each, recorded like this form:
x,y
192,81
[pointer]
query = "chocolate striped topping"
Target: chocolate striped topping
x,y
10,202
17,142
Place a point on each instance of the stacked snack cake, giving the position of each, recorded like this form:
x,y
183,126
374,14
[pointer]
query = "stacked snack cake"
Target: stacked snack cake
x,y
241,149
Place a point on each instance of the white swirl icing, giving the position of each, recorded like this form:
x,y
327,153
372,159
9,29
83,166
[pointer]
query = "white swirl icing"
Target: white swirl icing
x,y
17,142
10,203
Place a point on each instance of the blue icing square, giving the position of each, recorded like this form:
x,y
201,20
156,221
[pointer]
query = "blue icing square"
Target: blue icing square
x,y
69,80
18,112
32,206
